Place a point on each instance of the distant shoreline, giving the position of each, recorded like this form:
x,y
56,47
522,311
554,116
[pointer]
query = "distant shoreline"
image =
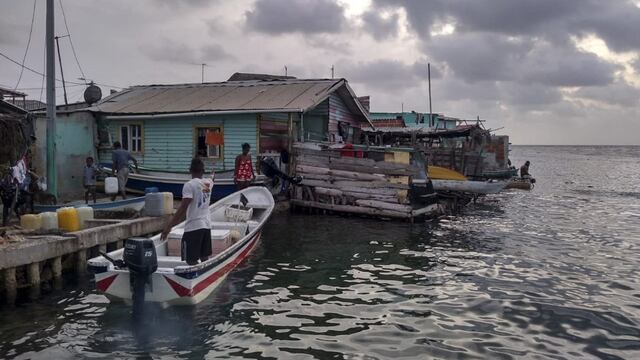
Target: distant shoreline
x,y
585,145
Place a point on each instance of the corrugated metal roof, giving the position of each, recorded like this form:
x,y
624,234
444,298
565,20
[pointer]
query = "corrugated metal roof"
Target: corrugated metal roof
x,y
286,95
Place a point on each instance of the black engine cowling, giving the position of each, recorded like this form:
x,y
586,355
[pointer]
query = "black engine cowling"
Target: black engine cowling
x,y
140,256
142,261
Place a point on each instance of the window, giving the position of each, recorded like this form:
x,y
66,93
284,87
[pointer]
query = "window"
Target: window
x,y
131,137
208,144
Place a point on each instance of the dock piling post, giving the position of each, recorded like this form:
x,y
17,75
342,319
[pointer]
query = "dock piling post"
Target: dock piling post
x,y
81,262
10,286
56,269
33,275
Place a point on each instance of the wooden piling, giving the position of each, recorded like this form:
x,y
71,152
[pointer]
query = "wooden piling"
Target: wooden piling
x,y
33,276
56,269
81,262
10,286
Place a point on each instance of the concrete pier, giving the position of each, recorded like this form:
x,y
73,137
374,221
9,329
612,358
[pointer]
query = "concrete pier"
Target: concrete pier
x,y
36,253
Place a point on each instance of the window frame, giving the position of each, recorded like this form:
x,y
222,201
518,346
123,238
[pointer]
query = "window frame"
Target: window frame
x,y
196,129
127,145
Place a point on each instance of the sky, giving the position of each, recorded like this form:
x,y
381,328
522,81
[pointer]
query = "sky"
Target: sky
x,y
540,71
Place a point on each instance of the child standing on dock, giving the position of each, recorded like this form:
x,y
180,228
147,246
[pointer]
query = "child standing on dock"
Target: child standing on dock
x,y
89,181
243,175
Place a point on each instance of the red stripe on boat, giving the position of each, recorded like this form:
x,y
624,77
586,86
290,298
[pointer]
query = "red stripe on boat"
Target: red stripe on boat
x,y
104,284
183,291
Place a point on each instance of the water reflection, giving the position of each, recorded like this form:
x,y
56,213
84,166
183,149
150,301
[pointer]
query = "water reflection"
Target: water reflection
x,y
546,274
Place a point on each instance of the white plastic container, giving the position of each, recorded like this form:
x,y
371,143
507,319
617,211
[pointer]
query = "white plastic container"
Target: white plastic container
x,y
167,204
111,185
153,204
84,213
49,221
31,221
236,213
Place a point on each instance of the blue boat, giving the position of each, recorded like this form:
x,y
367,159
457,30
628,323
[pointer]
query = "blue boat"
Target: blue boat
x,y
136,204
173,182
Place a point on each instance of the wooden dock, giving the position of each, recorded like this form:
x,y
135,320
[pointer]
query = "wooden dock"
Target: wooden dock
x,y
39,259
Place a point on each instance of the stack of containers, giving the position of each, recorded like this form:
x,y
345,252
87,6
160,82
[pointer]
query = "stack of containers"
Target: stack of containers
x,y
68,219
84,213
49,221
31,221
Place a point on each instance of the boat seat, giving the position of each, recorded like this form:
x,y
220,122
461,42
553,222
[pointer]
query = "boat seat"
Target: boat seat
x,y
170,261
258,206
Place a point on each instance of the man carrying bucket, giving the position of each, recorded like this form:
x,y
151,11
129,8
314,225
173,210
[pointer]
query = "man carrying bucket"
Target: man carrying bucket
x,y
120,168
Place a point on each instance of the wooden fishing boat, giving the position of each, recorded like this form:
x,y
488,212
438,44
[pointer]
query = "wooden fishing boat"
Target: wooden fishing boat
x,y
135,204
522,184
174,181
173,282
500,174
473,187
442,173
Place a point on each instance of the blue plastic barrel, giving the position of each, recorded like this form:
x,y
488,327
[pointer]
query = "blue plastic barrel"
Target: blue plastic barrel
x,y
150,190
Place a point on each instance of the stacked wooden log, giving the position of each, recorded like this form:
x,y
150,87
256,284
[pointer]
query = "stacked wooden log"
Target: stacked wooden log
x,y
376,184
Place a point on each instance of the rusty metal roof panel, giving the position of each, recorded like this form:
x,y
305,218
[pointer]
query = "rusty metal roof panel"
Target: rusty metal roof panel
x,y
227,96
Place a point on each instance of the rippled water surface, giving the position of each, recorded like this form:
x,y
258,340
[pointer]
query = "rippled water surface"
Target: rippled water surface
x,y
551,273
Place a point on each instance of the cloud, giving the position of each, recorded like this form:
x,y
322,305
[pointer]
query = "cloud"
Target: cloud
x,y
180,53
296,16
618,94
386,74
379,26
479,57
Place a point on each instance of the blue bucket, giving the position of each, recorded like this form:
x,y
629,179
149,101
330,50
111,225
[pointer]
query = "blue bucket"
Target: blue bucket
x,y
150,190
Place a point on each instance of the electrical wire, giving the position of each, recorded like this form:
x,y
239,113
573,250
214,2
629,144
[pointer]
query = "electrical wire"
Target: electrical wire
x,y
26,51
73,49
35,71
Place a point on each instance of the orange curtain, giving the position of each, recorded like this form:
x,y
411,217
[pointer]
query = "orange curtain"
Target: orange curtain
x,y
214,138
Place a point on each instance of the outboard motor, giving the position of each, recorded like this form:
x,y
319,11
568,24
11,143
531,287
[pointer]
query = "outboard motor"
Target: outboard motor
x,y
270,169
142,260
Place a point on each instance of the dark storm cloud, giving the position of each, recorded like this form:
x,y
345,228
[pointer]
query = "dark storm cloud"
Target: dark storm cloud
x,y
381,27
296,16
529,97
181,53
618,94
386,74
478,57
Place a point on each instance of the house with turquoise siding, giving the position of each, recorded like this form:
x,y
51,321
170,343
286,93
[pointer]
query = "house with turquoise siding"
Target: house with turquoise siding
x,y
165,126
414,119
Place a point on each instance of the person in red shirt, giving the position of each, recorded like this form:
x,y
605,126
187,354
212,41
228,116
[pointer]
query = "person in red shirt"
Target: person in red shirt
x,y
243,175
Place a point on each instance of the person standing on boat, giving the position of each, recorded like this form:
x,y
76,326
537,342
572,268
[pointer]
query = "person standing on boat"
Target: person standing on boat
x,y
194,207
524,170
243,175
120,168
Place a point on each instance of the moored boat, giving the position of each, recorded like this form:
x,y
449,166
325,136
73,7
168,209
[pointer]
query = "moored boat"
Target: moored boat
x,y
500,174
174,181
234,236
473,187
135,204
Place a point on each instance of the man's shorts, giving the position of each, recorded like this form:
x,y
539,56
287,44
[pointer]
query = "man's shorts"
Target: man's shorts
x,y
123,176
196,245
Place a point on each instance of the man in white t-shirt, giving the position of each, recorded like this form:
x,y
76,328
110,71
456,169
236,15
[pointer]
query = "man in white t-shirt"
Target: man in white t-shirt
x,y
196,194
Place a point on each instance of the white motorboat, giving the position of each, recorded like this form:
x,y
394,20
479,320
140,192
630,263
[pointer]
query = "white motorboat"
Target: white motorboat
x,y
235,230
473,187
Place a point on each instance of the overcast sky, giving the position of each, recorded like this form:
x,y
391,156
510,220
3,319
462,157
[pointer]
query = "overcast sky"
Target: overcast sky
x,y
548,71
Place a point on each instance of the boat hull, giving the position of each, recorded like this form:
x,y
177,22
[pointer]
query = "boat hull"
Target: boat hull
x,y
473,187
169,288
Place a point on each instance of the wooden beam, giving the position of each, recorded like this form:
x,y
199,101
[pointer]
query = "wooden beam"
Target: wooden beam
x,y
353,209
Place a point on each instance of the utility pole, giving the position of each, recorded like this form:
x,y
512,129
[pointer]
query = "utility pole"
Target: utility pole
x,y
332,70
286,71
429,79
52,181
64,86
202,76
